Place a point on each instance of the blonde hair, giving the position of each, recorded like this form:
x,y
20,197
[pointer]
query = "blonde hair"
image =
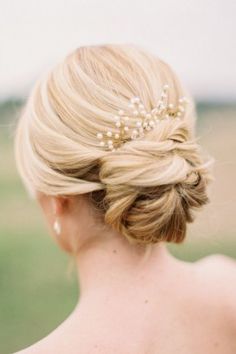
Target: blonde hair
x,y
148,188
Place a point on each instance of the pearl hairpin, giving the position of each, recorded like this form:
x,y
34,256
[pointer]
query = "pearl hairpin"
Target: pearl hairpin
x,y
137,119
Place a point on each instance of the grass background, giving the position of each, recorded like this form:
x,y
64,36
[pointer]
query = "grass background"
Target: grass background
x,y
38,287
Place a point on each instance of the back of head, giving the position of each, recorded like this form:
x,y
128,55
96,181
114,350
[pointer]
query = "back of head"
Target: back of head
x,y
148,187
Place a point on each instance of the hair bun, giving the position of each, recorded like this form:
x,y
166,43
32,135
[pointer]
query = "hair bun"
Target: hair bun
x,y
153,187
148,188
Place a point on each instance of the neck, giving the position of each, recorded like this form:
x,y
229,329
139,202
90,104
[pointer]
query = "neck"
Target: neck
x,y
111,263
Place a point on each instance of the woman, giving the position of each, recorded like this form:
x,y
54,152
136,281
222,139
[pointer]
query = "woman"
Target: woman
x,y
106,145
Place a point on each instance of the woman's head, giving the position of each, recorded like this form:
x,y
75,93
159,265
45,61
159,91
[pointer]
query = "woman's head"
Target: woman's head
x,y
147,188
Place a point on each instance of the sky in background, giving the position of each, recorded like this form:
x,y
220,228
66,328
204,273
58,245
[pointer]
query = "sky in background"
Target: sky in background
x,y
196,37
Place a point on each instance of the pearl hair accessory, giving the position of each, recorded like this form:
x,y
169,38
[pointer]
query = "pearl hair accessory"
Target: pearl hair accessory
x,y
142,119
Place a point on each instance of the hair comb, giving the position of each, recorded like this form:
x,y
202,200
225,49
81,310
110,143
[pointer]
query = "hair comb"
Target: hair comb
x,y
133,123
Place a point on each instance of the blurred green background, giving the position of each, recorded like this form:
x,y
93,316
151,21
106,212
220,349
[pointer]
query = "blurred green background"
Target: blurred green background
x,y
38,286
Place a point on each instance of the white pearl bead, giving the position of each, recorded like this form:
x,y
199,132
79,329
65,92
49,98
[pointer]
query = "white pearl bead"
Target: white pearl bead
x,y
162,106
109,134
139,124
126,129
110,142
121,112
163,95
179,114
117,136
151,123
165,87
102,143
118,124
181,109
171,106
135,100
99,135
134,134
132,100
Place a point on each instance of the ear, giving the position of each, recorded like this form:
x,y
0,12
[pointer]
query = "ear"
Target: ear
x,y
59,204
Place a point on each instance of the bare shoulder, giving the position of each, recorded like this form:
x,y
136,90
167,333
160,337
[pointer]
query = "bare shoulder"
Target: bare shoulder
x,y
218,265
218,275
45,345
219,270
33,349
28,351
